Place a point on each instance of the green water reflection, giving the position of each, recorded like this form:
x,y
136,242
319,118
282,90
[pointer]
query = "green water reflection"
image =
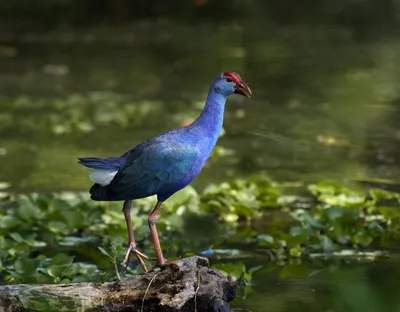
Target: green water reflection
x,y
344,287
324,104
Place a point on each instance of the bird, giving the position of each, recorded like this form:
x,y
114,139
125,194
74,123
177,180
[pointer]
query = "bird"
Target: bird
x,y
164,164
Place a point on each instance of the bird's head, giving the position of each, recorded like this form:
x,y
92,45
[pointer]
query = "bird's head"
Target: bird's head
x,y
229,83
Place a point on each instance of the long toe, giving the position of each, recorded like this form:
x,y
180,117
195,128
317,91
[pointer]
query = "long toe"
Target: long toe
x,y
165,265
139,256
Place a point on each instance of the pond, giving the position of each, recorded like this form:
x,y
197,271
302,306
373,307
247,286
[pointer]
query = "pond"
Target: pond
x,y
324,103
324,106
326,287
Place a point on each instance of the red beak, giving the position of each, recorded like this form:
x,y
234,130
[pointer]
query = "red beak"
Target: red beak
x,y
243,89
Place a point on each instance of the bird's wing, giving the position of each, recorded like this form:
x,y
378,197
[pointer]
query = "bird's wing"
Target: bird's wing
x,y
154,167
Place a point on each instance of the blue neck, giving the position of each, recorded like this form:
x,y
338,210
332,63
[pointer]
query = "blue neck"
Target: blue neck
x,y
209,123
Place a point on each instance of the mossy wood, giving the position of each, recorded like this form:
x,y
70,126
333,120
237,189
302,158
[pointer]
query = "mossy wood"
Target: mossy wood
x,y
191,285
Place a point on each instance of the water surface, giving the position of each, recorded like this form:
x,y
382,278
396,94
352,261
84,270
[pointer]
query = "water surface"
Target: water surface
x,y
326,287
324,104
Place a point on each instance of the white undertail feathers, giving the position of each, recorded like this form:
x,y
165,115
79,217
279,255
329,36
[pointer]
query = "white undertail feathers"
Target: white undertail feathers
x,y
102,177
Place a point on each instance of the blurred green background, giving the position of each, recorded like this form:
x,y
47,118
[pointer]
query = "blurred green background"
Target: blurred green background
x,y
95,78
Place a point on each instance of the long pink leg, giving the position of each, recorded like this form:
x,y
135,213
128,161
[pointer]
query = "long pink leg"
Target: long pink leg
x,y
154,234
131,238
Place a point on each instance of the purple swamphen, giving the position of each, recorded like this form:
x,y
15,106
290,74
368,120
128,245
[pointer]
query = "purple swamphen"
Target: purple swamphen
x,y
164,164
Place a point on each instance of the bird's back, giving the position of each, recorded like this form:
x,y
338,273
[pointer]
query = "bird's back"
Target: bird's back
x,y
160,166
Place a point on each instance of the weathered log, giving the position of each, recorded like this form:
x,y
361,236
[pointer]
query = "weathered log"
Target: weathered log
x,y
190,285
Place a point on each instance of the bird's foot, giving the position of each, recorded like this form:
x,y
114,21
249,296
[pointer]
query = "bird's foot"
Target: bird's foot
x,y
164,265
139,256
169,264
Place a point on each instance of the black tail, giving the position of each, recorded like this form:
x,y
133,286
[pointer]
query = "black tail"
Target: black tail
x,y
98,192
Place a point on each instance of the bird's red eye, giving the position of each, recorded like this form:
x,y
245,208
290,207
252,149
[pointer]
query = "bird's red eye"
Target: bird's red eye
x,y
228,79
